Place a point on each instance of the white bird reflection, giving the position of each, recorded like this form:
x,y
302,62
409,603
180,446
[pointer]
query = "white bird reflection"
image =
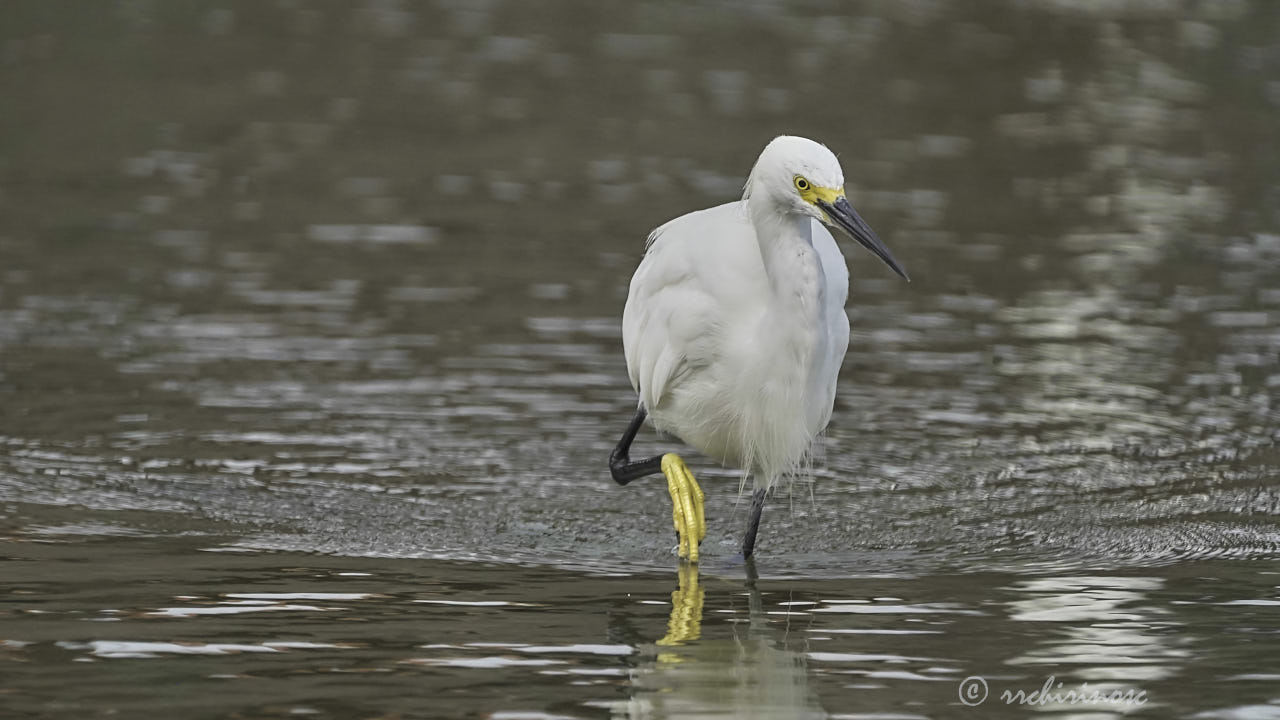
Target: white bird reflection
x,y
751,675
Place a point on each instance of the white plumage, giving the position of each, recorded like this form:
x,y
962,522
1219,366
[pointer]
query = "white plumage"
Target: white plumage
x,y
734,328
740,369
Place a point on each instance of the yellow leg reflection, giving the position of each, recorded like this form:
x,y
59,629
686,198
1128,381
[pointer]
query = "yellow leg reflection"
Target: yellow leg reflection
x,y
686,506
685,623
733,670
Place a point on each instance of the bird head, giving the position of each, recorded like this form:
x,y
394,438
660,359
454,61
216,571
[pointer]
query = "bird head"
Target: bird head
x,y
795,175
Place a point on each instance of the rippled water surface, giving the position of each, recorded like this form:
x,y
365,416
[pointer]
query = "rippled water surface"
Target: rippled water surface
x,y
310,361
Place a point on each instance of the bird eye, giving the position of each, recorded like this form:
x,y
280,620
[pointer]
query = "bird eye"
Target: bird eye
x,y
801,183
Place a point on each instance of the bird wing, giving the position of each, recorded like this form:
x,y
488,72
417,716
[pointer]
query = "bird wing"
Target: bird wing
x,y
695,267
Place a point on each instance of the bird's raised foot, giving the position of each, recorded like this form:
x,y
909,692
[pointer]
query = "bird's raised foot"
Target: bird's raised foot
x,y
686,506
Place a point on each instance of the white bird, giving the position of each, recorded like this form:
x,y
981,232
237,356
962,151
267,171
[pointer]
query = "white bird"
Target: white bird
x,y
734,329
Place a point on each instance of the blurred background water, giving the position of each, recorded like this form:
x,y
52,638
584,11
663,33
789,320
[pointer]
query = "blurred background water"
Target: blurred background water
x,y
310,359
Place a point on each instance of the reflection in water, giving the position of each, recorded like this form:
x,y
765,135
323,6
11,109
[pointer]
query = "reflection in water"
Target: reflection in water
x,y
685,624
370,637
1106,635
750,675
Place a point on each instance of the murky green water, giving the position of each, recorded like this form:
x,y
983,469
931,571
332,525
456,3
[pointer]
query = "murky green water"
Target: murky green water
x,y
310,361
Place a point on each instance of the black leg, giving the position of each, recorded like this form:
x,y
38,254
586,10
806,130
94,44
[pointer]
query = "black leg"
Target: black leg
x,y
620,465
753,523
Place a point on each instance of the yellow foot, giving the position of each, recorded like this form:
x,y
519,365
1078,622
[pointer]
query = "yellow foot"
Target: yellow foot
x,y
686,505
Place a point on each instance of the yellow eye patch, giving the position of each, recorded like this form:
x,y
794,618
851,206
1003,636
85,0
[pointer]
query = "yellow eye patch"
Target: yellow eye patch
x,y
813,194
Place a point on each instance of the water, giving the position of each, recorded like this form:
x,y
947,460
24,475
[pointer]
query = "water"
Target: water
x,y
310,361
172,621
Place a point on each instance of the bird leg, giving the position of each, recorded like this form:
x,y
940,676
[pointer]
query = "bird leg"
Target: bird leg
x,y
620,465
753,523
686,496
686,505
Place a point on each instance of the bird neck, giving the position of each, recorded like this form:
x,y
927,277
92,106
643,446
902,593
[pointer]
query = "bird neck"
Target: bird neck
x,y
786,248
788,336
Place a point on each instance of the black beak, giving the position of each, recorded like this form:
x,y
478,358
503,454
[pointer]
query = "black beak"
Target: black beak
x,y
846,218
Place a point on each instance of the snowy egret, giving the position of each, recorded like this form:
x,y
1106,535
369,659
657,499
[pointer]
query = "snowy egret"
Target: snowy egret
x,y
734,329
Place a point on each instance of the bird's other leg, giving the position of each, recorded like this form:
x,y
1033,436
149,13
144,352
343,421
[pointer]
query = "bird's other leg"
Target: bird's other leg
x,y
753,523
686,497
620,465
